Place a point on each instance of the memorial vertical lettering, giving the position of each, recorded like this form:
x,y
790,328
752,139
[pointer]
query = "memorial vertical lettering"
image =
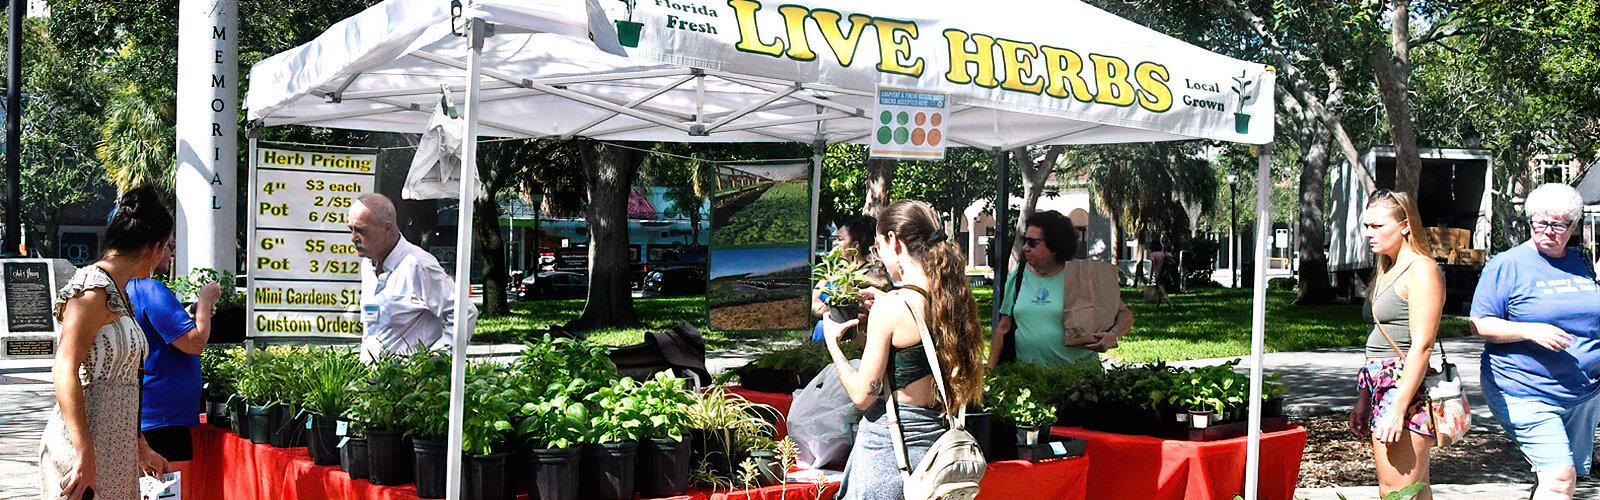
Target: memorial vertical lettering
x,y
208,60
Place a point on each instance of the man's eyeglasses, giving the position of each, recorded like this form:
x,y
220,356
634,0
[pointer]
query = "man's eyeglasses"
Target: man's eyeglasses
x,y
1551,226
1031,242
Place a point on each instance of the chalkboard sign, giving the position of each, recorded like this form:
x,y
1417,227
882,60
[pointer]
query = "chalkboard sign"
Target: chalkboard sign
x,y
28,294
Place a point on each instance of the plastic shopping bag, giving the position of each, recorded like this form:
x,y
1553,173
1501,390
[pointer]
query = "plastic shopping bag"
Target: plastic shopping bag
x,y
166,487
822,421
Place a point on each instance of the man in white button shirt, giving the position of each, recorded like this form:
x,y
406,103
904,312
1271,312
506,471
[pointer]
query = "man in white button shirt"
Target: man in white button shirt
x,y
407,300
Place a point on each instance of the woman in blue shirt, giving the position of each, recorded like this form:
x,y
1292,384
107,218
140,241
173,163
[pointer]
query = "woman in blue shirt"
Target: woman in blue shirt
x,y
170,401
1538,308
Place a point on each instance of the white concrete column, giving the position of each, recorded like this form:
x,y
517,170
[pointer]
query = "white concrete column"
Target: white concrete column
x,y
207,126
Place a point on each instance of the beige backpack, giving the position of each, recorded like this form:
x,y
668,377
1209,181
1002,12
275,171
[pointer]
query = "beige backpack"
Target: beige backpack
x,y
954,464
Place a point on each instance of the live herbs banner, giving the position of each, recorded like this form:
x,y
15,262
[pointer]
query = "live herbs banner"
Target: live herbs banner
x,y
1060,59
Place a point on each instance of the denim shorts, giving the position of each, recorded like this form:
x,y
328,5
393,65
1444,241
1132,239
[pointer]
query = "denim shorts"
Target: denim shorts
x,y
1550,435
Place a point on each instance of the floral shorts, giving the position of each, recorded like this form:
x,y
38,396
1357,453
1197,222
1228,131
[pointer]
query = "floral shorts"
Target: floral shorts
x,y
1375,385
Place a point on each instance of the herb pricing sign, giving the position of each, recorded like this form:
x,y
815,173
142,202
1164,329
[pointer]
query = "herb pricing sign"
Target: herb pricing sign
x,y
909,124
304,273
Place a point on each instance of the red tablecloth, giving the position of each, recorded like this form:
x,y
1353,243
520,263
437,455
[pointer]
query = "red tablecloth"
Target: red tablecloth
x,y
776,400
1143,467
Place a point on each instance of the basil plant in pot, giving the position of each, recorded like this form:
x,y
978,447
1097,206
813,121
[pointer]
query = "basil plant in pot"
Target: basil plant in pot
x,y
840,279
552,428
610,454
378,407
663,454
486,432
1031,416
219,372
426,419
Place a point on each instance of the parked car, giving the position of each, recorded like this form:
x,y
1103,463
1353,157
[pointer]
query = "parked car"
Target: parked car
x,y
679,280
553,285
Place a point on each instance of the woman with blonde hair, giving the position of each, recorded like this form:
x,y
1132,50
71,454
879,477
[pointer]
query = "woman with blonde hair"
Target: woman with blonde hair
x,y
1406,299
932,292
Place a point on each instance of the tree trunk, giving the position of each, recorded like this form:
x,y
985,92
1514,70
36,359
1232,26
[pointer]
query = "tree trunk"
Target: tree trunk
x,y
1034,175
1392,65
610,173
491,253
1315,285
880,175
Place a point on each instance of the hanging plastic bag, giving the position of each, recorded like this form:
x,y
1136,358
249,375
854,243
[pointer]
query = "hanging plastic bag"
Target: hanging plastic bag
x,y
822,421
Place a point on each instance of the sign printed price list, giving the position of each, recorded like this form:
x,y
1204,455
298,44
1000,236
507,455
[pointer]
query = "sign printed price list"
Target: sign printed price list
x,y
305,275
282,254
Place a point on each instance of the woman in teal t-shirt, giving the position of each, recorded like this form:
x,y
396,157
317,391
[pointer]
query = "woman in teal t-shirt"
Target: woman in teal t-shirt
x,y
1049,242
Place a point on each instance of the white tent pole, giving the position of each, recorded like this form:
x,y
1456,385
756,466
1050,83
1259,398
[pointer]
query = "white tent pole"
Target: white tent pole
x,y
1258,320
463,334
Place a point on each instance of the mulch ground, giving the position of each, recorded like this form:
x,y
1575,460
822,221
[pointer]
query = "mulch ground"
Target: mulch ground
x,y
1335,457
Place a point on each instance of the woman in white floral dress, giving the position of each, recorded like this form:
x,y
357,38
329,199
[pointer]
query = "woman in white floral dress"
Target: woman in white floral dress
x,y
92,439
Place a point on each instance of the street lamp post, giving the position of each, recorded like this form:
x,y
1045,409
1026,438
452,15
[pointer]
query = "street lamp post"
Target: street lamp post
x,y
1233,229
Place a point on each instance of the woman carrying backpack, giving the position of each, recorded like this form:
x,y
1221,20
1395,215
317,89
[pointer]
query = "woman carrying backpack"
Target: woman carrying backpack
x,y
933,300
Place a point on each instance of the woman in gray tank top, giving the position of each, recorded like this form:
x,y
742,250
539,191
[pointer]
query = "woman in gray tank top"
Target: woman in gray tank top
x,y
1407,296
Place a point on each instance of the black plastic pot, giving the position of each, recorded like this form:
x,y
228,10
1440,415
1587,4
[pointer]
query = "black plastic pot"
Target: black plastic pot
x,y
430,467
768,467
353,457
551,474
664,466
323,443
844,313
389,457
288,429
227,326
714,450
1002,440
1033,435
978,425
486,477
1272,407
261,423
239,422
606,470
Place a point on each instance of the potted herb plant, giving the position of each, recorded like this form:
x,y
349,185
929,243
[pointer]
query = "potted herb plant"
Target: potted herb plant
x,y
761,454
610,453
389,451
328,376
426,419
250,409
663,454
719,421
353,450
228,322
486,429
1032,417
1272,395
839,282
552,428
219,368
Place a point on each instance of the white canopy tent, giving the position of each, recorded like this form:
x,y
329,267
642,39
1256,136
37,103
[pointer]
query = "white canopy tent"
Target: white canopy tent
x,y
1016,73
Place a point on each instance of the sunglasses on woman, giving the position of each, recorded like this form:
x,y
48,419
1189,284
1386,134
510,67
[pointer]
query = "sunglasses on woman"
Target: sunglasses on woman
x,y
1031,242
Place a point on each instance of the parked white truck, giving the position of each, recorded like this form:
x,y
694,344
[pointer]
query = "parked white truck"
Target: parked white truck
x,y
1454,196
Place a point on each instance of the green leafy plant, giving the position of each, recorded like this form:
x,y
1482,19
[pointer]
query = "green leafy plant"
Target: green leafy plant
x,y
1022,408
552,419
185,287
558,360
840,277
1212,388
489,405
666,404
1272,386
219,370
426,408
332,375
616,415
377,402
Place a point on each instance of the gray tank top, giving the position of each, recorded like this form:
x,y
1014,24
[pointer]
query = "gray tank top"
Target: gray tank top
x,y
1394,313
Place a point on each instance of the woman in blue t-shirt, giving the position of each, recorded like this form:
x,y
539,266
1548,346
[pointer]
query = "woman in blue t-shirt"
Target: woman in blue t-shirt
x,y
1538,308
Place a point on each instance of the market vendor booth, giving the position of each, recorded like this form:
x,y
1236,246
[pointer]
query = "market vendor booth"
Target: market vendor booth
x,y
998,78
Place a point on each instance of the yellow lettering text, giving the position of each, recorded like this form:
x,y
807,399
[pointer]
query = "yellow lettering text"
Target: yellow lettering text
x,y
749,37
1155,95
1018,58
1112,80
844,46
1064,74
962,60
794,21
894,46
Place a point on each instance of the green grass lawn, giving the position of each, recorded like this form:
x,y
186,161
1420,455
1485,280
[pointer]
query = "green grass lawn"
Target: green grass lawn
x,y
1216,323
530,319
1207,324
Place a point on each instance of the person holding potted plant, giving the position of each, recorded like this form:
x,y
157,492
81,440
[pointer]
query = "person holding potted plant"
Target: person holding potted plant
x,y
914,247
849,265
1058,311
171,387
1407,296
1538,310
